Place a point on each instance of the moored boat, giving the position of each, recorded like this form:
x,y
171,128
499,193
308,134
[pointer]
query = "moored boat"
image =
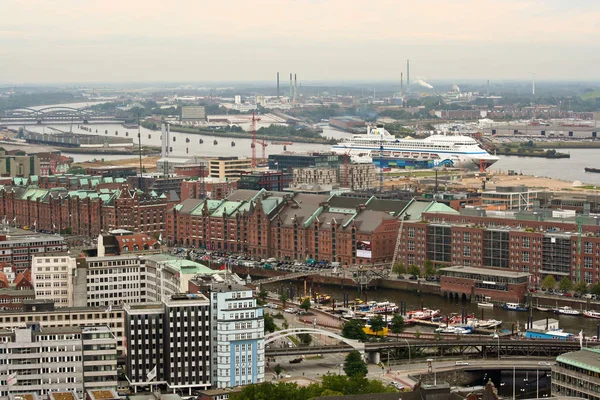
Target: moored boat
x,y
485,304
588,169
423,314
542,309
514,307
592,314
566,310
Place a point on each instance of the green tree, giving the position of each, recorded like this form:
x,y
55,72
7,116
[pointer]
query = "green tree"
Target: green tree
x,y
414,270
305,305
399,268
397,324
263,294
353,329
429,268
595,289
549,282
284,298
377,324
269,323
305,338
354,365
581,287
417,334
278,370
565,284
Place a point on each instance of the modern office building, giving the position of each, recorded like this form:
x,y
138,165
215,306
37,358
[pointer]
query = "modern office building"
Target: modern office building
x,y
288,161
44,360
52,278
228,167
577,374
169,343
273,181
18,249
44,314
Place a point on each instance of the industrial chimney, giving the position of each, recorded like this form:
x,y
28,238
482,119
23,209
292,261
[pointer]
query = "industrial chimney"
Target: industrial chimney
x,y
278,85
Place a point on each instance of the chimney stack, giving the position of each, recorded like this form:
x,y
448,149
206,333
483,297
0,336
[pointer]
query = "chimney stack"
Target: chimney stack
x,y
278,85
295,87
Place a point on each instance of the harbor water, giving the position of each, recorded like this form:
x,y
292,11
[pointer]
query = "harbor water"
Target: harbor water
x,y
414,301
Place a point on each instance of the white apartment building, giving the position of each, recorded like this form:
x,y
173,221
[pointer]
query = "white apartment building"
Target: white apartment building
x,y
43,360
237,336
52,278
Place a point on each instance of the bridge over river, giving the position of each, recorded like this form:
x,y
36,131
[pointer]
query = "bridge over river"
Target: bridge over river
x,y
57,115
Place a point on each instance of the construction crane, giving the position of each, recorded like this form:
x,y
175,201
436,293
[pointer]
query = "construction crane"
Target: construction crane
x,y
254,121
264,147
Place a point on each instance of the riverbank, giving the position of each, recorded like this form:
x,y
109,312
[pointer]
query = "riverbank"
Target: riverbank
x,y
131,151
248,135
529,152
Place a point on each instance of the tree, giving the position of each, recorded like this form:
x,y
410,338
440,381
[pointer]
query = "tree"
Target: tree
x,y
354,365
278,370
595,289
399,268
397,324
581,287
262,295
549,282
305,305
353,329
305,338
377,324
565,284
414,270
284,298
269,323
429,268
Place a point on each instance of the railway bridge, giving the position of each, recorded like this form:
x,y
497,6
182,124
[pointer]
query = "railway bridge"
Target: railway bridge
x,y
56,114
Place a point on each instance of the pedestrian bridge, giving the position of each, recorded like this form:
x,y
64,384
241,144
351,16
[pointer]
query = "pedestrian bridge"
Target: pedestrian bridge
x,y
355,344
272,279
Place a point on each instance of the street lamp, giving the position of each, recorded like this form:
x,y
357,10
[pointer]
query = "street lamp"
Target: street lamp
x,y
496,336
408,344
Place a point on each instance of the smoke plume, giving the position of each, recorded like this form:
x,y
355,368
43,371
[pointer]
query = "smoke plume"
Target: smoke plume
x,y
421,82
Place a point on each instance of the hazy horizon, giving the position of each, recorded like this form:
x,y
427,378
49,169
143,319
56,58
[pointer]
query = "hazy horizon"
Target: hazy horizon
x,y
135,41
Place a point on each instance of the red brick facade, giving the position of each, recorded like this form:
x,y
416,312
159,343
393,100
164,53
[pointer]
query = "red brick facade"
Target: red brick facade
x,y
86,214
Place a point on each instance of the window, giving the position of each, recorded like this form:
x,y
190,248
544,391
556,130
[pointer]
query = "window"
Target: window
x,y
467,251
587,248
411,245
526,242
467,237
411,232
525,256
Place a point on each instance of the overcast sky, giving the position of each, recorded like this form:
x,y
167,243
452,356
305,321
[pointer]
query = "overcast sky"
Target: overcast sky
x,y
55,41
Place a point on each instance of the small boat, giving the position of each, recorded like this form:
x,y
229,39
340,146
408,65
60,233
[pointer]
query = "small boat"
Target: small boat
x,y
232,144
513,307
200,141
385,307
424,314
588,169
485,304
322,298
566,310
215,142
281,143
591,314
542,309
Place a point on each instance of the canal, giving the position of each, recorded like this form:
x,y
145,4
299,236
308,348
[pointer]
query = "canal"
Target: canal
x,y
414,300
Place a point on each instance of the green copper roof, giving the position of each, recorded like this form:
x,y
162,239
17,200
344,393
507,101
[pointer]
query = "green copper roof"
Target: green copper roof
x,y
586,358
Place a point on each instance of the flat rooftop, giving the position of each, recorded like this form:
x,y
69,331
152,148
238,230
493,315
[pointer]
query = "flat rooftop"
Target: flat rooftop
x,y
486,271
62,396
586,358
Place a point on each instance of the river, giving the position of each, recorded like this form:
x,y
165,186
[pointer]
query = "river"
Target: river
x,y
572,324
185,143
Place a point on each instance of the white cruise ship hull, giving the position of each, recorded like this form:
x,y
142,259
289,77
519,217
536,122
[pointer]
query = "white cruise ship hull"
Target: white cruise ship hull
x,y
384,150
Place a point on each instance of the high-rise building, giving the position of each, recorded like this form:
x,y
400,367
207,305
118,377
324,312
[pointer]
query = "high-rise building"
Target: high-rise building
x,y
169,343
237,331
52,278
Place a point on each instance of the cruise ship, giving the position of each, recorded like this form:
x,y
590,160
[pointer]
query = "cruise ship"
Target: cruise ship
x,y
384,150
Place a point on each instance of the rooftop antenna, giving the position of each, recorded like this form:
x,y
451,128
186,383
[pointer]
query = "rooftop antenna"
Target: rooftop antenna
x,y
141,185
533,84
